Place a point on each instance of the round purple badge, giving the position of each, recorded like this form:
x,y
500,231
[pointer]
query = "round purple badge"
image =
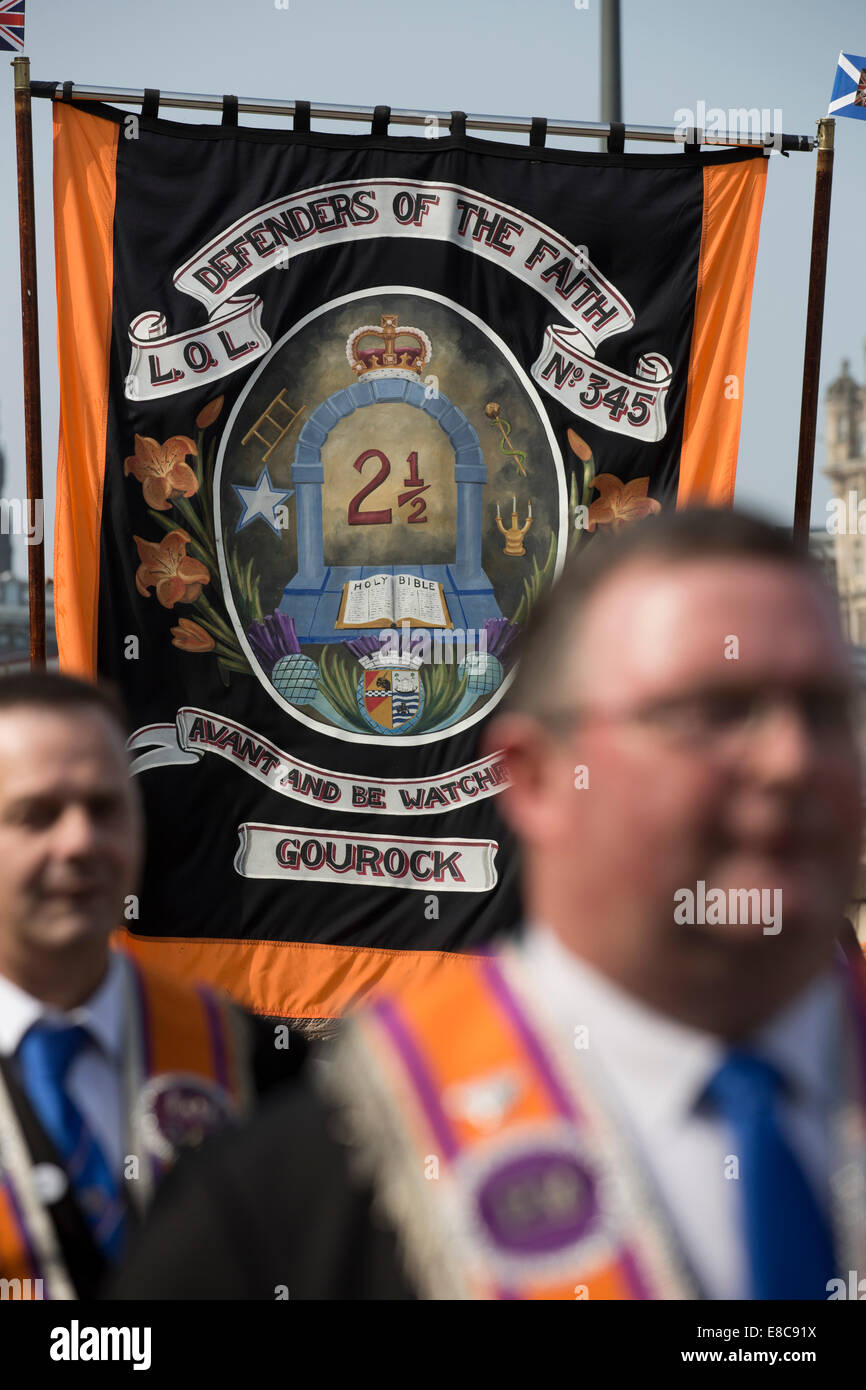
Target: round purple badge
x,y
179,1111
538,1203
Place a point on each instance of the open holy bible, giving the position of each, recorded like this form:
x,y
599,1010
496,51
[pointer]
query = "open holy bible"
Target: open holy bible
x,y
383,600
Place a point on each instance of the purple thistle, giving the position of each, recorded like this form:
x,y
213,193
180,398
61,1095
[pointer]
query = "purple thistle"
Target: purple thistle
x,y
273,638
500,634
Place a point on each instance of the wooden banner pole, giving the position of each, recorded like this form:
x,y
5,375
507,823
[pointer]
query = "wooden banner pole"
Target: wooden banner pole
x,y
814,331
30,345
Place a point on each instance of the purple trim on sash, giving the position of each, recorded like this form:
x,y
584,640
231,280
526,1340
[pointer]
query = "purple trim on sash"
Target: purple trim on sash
x,y
423,1082
217,1038
631,1270
144,1015
498,987
18,1218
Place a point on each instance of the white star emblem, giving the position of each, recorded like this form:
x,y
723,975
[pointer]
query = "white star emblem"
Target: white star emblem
x,y
261,500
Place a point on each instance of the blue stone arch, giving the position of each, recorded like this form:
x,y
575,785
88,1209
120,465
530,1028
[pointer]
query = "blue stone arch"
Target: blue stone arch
x,y
312,597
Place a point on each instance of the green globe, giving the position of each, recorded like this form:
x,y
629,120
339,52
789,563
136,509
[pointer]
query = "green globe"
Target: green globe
x,y
483,672
296,677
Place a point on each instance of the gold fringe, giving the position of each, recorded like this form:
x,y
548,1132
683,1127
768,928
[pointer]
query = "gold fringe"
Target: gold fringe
x,y
317,1029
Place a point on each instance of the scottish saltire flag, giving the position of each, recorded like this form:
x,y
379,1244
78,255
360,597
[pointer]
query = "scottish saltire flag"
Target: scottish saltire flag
x,y
849,89
12,24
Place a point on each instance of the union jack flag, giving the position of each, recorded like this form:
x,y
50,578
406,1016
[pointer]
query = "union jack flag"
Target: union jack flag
x,y
12,24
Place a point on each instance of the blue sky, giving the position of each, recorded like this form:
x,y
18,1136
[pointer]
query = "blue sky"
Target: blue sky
x,y
538,58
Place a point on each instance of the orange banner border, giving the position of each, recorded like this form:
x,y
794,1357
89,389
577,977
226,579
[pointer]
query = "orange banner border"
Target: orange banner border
x,y
85,157
733,202
292,979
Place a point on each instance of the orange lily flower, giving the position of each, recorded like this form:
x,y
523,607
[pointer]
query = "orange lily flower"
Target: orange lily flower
x,y
177,577
209,413
191,637
161,470
579,446
620,503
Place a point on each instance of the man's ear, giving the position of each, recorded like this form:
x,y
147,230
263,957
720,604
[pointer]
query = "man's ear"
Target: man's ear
x,y
531,801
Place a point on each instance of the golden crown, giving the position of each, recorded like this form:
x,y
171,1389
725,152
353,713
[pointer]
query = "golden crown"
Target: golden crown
x,y
389,350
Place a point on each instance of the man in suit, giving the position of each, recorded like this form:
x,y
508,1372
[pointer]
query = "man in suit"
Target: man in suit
x,y
658,1092
106,1070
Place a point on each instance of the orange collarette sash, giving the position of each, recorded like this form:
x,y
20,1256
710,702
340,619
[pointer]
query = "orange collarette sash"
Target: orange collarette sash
x,y
186,1074
496,1155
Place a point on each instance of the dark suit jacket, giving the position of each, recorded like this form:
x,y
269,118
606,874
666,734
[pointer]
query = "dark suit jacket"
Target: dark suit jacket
x,y
267,1212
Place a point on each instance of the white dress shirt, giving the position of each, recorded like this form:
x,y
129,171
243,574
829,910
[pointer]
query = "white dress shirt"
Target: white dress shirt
x,y
655,1069
95,1080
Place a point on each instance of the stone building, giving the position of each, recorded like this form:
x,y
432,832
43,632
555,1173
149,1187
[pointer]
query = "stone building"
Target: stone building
x,y
842,543
846,518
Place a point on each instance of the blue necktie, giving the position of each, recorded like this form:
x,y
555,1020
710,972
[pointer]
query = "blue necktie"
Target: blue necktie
x,y
788,1238
46,1053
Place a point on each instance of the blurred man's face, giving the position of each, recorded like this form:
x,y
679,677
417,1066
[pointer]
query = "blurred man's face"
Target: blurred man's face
x,y
69,831
717,749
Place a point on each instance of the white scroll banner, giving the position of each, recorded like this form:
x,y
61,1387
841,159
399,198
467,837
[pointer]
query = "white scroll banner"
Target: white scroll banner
x,y
197,731
163,364
366,861
275,234
333,214
633,405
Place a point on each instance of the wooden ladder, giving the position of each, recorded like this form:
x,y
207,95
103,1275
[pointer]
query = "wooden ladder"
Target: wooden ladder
x,y
267,418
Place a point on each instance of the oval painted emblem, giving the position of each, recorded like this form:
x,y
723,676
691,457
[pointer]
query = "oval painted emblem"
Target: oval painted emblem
x,y
389,501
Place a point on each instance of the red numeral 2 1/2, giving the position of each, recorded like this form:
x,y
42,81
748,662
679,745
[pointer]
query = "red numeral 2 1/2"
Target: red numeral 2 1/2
x,y
414,485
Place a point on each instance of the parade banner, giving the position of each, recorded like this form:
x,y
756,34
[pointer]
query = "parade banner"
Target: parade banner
x,y
334,411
